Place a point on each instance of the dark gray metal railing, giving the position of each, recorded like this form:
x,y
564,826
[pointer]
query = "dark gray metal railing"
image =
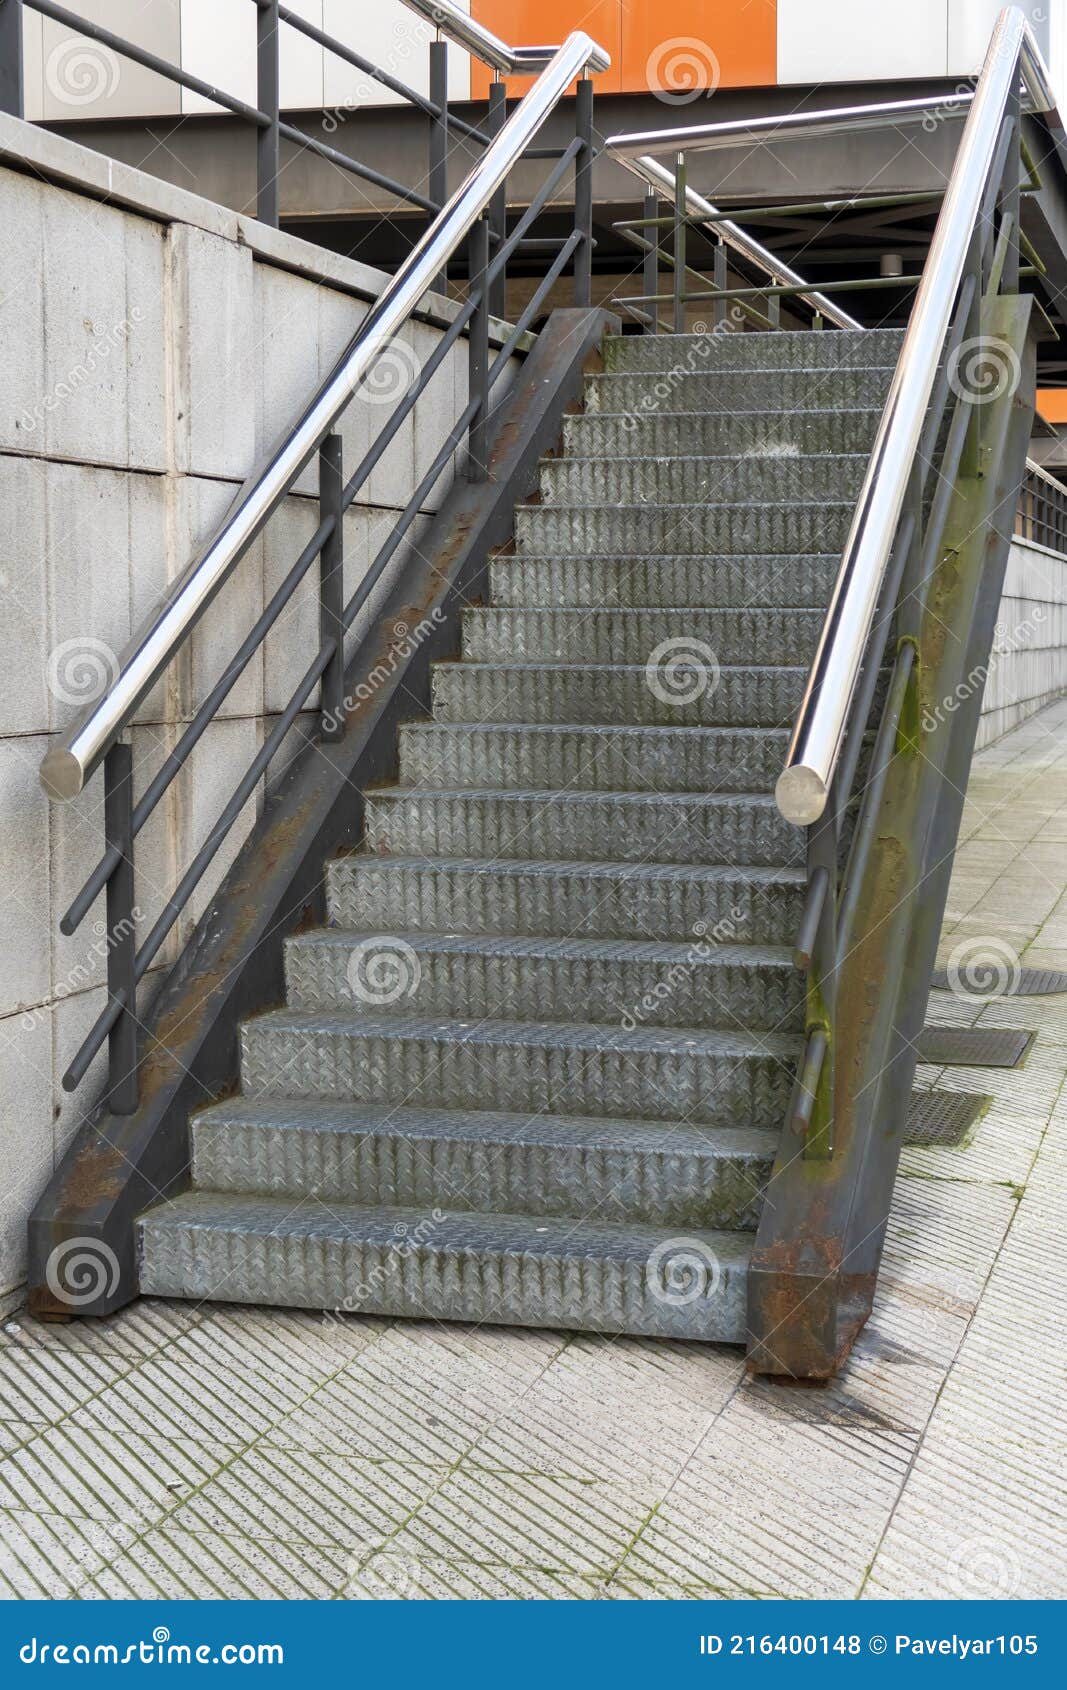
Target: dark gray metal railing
x,y
265,117
1042,513
97,736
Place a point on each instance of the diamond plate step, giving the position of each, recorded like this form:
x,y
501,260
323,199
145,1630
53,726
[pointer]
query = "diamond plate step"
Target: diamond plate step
x,y
625,982
603,692
712,583
594,900
758,434
617,1170
781,349
667,637
736,392
682,530
583,1068
594,758
729,480
590,826
507,1269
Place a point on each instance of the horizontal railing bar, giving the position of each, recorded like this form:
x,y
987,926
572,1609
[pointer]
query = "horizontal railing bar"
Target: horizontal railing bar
x,y
770,213
657,177
77,752
150,61
231,810
806,1087
540,293
356,168
789,291
811,915
94,1038
808,125
482,44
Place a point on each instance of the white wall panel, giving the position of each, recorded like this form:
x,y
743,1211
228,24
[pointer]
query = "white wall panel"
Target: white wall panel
x,y
392,37
861,40
970,24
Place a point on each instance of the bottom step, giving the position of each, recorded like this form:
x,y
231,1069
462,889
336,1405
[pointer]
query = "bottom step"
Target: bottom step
x,y
505,1269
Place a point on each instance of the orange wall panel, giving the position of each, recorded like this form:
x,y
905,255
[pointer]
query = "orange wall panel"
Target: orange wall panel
x,y
665,43
531,23
731,43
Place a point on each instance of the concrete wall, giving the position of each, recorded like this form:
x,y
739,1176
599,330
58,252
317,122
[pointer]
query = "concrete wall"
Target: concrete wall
x,y
153,347
1028,666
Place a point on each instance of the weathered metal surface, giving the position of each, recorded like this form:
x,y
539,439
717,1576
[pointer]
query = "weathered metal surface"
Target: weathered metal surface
x,y
1020,983
974,1047
232,967
944,1117
820,1238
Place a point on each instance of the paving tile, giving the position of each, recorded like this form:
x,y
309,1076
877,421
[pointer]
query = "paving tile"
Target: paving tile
x,y
46,1555
82,1470
184,1564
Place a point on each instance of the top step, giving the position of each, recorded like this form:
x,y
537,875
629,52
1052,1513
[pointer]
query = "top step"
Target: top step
x,y
806,349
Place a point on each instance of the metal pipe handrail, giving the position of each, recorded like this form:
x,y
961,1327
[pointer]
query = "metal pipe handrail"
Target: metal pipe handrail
x,y
662,181
804,784
78,752
809,125
482,44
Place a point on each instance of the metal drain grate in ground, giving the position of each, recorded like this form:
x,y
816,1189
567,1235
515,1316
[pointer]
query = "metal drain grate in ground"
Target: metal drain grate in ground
x,y
1027,983
974,1047
943,1117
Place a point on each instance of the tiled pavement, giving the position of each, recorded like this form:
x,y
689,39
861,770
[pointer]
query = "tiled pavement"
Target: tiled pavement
x,y
185,1451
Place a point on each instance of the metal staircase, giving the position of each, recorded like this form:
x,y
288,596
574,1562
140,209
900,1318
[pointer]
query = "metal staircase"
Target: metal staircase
x,y
554,1020
603,974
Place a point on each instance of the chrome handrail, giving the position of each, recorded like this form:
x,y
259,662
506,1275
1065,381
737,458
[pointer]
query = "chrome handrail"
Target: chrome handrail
x,y
78,752
809,125
481,43
804,784
661,180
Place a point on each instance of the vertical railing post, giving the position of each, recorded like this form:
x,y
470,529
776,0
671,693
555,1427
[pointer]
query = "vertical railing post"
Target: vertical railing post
x,y
478,351
680,214
821,1008
12,98
718,276
437,174
970,455
1009,198
268,96
498,205
583,193
121,930
331,587
774,310
650,266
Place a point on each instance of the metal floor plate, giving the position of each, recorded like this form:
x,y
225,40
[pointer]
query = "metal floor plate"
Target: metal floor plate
x,y
943,1117
1026,983
974,1047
